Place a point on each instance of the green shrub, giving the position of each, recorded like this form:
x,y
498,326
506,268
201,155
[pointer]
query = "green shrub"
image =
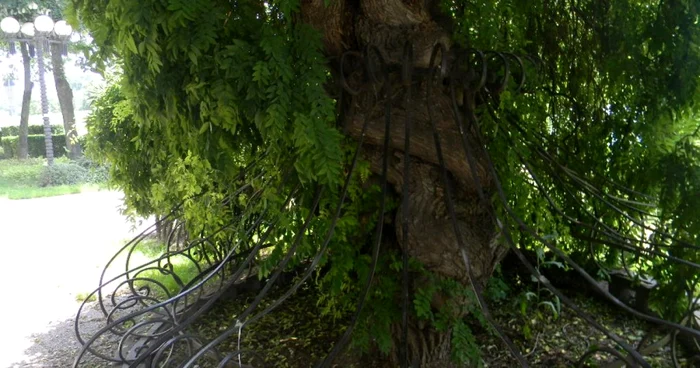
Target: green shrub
x,y
11,131
21,173
82,139
82,171
9,147
37,147
97,173
63,174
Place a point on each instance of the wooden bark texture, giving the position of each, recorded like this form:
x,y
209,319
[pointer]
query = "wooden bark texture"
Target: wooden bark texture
x,y
23,144
387,25
65,100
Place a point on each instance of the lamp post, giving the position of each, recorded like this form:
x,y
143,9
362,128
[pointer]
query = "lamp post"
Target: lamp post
x,y
41,32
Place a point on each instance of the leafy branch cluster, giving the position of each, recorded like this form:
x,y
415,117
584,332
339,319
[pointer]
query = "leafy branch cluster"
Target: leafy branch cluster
x,y
203,92
612,124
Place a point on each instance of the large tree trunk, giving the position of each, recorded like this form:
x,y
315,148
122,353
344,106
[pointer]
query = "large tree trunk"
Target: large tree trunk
x,y
23,145
387,25
65,100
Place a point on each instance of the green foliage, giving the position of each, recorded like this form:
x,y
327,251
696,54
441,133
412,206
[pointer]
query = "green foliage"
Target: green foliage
x,y
21,172
73,173
23,179
62,174
496,289
241,91
616,103
9,131
381,310
250,89
458,301
96,173
465,348
111,138
36,145
27,10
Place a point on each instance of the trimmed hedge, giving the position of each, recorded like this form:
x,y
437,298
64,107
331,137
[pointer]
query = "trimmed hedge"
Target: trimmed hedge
x,y
37,147
12,131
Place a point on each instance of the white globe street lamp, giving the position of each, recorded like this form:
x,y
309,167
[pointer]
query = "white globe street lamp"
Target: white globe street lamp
x,y
27,29
62,29
43,24
10,26
40,33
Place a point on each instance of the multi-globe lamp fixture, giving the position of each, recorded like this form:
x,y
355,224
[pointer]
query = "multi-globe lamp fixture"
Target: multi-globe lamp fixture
x,y
39,33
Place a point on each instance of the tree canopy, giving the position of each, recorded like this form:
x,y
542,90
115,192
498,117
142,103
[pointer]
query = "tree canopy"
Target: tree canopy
x,y
598,152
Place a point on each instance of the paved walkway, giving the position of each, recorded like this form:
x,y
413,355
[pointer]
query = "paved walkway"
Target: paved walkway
x,y
51,249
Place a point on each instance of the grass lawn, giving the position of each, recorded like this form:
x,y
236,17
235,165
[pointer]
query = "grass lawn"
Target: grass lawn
x,y
20,180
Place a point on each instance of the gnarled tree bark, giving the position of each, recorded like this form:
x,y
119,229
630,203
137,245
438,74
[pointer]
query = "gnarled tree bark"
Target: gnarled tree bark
x,y
23,144
387,25
65,100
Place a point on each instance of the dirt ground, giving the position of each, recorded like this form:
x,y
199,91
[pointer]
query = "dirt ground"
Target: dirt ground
x,y
52,249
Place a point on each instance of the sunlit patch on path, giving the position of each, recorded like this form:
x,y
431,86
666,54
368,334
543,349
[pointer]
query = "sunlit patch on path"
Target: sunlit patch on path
x,y
53,249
